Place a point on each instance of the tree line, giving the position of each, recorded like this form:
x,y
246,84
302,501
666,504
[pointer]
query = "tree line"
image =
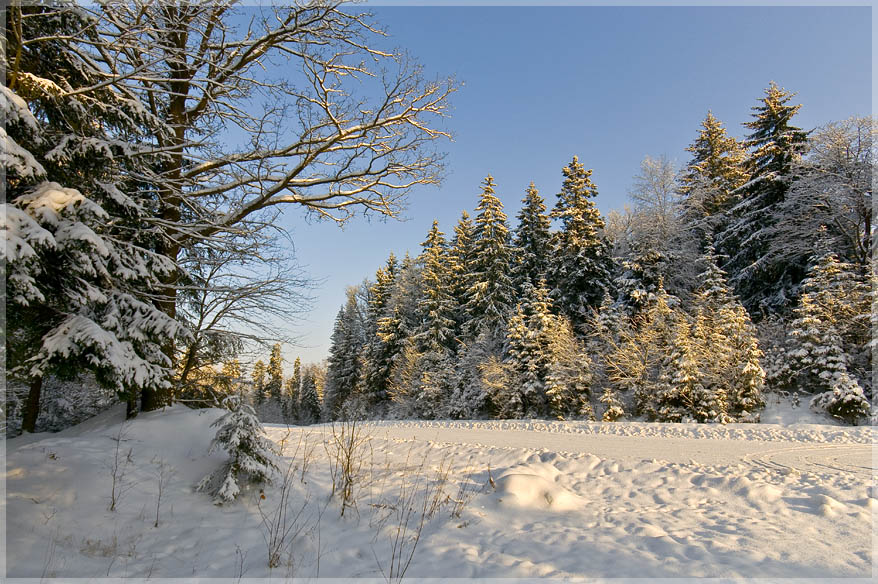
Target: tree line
x,y
747,270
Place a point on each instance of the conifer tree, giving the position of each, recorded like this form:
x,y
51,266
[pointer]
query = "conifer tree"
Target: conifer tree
x,y
639,358
529,354
230,378
532,242
292,391
309,401
258,377
580,272
296,380
570,376
642,273
437,307
613,409
79,255
275,373
730,357
460,258
380,346
549,370
343,366
679,389
490,294
831,310
716,170
252,455
775,144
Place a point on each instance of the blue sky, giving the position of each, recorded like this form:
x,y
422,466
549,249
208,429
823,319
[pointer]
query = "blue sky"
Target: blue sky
x,y
608,84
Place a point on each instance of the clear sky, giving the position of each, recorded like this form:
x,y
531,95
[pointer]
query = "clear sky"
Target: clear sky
x,y
608,84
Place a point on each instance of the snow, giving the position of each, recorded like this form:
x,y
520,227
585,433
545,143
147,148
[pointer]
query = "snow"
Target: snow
x,y
537,499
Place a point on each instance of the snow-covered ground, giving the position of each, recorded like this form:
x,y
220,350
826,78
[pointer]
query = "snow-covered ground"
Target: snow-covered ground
x,y
518,499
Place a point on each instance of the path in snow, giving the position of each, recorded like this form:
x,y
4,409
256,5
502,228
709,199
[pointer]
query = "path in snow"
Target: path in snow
x,y
778,454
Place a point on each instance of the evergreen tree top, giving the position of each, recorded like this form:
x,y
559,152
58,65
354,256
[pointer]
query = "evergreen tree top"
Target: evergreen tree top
x,y
577,212
491,222
532,219
275,363
435,238
717,159
775,142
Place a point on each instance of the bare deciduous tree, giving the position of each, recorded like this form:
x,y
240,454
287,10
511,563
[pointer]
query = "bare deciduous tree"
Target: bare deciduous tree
x,y
254,108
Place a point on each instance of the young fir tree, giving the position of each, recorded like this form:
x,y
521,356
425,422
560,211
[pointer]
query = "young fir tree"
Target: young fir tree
x,y
251,454
845,400
570,378
490,294
532,242
642,273
275,373
729,354
258,378
613,408
292,389
817,359
638,360
679,389
580,272
230,378
343,368
309,400
81,270
549,372
381,345
716,170
529,355
435,334
745,236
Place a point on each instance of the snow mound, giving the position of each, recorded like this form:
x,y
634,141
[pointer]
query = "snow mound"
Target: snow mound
x,y
536,492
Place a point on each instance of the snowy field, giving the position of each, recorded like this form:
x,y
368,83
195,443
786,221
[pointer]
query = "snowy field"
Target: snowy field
x,y
487,499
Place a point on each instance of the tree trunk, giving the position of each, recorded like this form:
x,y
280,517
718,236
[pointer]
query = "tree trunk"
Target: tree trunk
x,y
32,405
131,405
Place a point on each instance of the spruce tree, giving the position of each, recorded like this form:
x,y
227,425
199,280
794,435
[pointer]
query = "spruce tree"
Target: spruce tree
x,y
292,389
380,344
230,378
252,456
532,242
460,258
679,390
716,170
549,370
309,401
81,267
729,354
258,377
613,409
529,353
490,294
570,376
437,305
828,332
642,273
745,236
639,359
580,272
343,365
275,372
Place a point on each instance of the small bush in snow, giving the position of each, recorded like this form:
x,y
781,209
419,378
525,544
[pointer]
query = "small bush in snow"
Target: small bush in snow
x,y
251,454
845,400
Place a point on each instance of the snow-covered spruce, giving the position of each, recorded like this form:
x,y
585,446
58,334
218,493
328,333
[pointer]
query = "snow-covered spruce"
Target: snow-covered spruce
x,y
251,454
845,400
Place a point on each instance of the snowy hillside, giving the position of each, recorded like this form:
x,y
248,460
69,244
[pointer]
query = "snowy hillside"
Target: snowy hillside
x,y
485,499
